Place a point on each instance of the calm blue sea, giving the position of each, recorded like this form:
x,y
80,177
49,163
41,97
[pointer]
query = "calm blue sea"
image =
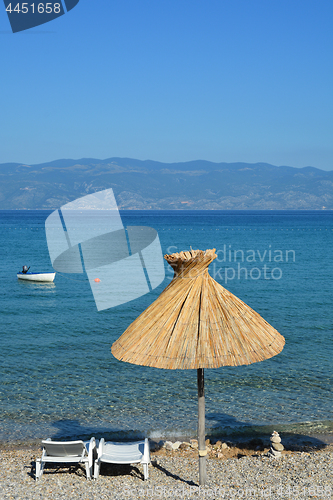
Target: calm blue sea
x,y
58,377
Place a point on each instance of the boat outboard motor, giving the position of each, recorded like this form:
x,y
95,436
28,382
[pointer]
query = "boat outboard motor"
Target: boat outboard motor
x,y
25,269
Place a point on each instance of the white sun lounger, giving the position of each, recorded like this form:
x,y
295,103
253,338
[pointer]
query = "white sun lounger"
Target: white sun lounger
x,y
123,453
67,452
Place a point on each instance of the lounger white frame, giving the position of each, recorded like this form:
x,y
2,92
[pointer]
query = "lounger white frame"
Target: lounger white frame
x,y
123,453
67,452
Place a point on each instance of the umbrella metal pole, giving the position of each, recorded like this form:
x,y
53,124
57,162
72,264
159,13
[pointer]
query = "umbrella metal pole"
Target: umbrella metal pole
x,y
201,427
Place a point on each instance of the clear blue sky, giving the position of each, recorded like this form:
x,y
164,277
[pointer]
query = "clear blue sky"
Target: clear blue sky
x,y
172,80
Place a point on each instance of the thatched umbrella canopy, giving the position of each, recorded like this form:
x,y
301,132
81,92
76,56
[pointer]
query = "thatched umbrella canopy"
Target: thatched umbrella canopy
x,y
196,323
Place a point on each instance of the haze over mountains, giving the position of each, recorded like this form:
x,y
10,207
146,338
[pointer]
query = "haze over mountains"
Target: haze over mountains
x,y
153,185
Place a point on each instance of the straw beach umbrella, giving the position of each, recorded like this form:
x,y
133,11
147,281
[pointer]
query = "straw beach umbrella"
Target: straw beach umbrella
x,y
194,324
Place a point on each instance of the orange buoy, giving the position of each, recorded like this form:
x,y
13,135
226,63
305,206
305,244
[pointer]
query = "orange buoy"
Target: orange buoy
x,y
97,280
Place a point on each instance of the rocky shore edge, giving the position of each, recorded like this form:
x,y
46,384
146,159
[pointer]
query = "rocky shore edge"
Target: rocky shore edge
x,y
234,470
225,449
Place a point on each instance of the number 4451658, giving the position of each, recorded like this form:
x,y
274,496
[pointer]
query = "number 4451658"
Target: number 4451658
x,y
25,7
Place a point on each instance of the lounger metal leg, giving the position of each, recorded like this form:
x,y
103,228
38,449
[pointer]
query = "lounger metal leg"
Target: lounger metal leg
x,y
39,468
145,471
87,470
96,469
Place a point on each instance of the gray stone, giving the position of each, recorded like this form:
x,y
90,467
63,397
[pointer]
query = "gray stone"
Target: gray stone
x,y
176,445
194,444
278,446
274,453
168,445
224,446
275,439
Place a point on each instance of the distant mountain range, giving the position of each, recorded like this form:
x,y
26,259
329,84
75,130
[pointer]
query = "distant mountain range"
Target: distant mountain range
x,y
153,185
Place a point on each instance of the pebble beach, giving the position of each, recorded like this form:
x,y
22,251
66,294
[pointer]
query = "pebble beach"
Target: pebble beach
x,y
233,472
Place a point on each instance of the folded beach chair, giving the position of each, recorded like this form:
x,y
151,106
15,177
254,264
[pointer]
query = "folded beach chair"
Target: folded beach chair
x,y
123,453
67,452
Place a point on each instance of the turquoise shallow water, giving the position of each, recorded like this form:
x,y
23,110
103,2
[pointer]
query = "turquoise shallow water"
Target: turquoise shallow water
x,y
58,377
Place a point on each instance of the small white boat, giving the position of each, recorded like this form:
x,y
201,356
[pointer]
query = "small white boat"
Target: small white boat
x,y
42,277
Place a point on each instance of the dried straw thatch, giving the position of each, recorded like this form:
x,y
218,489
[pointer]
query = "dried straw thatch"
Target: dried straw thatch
x,y
196,323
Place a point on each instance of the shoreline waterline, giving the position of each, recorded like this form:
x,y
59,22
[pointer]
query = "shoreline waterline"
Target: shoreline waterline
x,y
303,434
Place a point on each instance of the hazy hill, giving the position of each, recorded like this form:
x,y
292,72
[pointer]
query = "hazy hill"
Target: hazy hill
x,y
153,185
